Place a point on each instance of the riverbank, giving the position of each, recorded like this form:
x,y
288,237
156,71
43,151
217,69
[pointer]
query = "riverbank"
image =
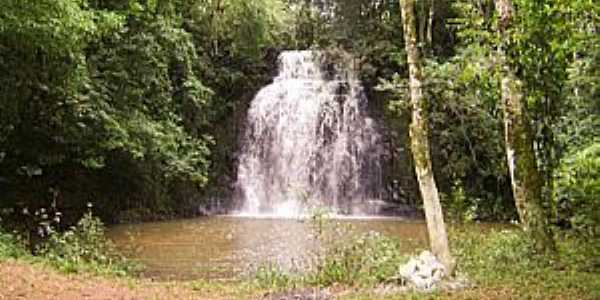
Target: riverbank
x,y
23,280
496,264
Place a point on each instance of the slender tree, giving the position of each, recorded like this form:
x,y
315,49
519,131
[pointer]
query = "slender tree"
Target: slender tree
x,y
419,141
525,177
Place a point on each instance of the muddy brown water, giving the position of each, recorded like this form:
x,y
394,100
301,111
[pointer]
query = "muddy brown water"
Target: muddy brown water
x,y
226,247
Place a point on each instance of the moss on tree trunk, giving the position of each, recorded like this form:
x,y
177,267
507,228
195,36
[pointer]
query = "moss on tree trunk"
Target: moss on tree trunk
x,y
524,174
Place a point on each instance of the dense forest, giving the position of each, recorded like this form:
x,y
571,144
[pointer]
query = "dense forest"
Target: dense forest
x,y
136,108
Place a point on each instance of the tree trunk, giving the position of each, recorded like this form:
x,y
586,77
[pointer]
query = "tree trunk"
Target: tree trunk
x,y
429,37
425,17
524,174
422,18
438,238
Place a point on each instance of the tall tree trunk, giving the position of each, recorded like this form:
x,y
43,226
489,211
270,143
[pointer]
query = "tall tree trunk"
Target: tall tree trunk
x,y
429,37
425,29
422,19
524,174
420,143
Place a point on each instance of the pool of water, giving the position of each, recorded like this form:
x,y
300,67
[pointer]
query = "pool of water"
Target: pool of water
x,y
226,247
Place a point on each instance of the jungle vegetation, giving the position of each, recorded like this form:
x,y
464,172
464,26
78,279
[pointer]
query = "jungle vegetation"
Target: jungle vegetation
x,y
136,106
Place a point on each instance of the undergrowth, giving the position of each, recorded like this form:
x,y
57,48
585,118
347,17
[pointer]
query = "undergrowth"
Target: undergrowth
x,y
81,248
499,262
506,259
85,247
10,246
344,257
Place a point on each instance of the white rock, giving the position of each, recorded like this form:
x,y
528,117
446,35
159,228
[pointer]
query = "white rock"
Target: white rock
x,y
409,268
423,272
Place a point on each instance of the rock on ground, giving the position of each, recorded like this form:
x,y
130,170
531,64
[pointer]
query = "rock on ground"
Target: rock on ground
x,y
424,272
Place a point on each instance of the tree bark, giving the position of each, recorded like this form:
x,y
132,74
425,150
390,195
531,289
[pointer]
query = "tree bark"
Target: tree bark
x,y
422,18
429,37
419,132
525,177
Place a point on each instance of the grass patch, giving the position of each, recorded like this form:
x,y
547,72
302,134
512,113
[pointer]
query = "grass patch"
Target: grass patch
x,y
365,260
505,260
11,246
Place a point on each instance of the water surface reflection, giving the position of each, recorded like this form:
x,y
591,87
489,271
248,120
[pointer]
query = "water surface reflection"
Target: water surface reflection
x,y
226,247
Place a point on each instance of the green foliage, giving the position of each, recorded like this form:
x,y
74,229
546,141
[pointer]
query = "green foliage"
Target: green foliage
x,y
457,206
146,94
343,257
43,59
238,28
466,129
367,259
578,190
11,246
507,259
501,249
467,133
272,276
84,247
87,85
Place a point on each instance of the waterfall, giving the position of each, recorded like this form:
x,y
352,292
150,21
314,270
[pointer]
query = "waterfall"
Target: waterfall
x,y
309,142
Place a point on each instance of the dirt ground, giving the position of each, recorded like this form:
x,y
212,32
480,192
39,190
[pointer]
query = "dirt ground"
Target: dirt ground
x,y
23,281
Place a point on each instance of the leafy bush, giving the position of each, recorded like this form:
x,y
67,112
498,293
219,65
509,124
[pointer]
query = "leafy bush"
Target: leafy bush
x,y
457,206
577,189
10,246
84,247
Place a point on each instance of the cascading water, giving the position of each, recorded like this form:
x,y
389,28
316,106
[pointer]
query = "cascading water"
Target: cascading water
x,y
309,142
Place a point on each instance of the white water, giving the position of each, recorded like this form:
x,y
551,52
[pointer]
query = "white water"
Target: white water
x,y
309,143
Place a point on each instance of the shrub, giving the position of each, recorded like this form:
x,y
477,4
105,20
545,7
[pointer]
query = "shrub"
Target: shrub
x,y
458,207
10,246
366,259
84,247
343,257
272,276
577,188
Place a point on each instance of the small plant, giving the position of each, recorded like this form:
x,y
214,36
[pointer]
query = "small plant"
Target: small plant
x,y
84,247
320,220
343,256
11,246
366,259
458,207
272,276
